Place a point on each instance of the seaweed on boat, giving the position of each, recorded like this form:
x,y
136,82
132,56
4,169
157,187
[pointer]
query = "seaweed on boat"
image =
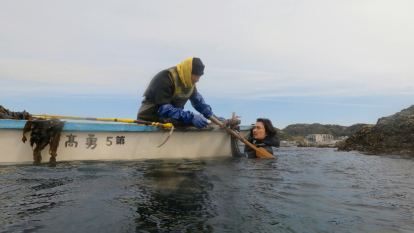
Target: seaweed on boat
x,y
7,114
27,128
54,140
44,132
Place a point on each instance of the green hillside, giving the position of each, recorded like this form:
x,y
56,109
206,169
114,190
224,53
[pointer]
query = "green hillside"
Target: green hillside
x,y
335,130
283,136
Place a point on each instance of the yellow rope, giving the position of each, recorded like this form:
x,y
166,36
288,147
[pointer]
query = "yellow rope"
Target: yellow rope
x,y
165,125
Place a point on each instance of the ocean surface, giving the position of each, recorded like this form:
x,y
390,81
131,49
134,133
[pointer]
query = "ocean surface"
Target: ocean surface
x,y
302,190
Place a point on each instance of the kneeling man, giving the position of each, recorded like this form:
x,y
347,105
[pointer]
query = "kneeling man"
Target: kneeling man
x,y
170,90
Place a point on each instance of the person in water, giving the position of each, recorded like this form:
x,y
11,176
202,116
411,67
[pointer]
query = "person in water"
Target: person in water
x,y
263,135
170,90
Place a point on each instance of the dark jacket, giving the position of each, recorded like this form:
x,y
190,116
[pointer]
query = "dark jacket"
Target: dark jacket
x,y
159,92
266,143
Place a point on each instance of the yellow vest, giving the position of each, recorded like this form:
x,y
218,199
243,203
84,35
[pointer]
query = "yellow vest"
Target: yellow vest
x,y
181,94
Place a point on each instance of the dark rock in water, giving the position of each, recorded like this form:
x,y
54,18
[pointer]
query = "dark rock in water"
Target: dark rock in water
x,y
392,134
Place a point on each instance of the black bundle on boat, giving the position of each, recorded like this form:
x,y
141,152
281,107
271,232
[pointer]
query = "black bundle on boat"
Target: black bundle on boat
x,y
43,133
7,114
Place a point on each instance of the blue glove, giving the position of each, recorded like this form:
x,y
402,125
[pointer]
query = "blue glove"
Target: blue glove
x,y
200,105
220,118
199,121
168,111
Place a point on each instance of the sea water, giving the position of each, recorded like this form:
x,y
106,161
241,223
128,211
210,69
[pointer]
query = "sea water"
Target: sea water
x,y
301,190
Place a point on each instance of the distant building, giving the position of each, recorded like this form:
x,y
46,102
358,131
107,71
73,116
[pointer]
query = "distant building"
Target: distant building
x,y
319,138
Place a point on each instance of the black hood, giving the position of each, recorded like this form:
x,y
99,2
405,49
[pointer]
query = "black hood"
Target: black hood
x,y
270,141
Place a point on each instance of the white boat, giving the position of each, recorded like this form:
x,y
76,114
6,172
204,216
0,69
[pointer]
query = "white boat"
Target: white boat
x,y
95,141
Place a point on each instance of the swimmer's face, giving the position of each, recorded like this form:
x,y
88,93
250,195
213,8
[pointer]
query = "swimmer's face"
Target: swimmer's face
x,y
259,132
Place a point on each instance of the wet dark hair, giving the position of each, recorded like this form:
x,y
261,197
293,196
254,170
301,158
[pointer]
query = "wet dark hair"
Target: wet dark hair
x,y
270,130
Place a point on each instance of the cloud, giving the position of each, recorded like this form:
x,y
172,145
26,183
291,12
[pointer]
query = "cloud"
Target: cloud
x,y
261,49
51,71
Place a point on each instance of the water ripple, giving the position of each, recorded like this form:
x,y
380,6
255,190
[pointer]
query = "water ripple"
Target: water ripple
x,y
302,190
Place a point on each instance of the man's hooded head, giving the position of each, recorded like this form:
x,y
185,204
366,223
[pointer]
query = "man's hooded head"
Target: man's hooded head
x,y
191,65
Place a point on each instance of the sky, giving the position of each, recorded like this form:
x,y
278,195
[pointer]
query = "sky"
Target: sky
x,y
328,62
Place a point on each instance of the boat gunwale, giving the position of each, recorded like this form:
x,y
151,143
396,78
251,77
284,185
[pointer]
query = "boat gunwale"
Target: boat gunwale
x,y
102,127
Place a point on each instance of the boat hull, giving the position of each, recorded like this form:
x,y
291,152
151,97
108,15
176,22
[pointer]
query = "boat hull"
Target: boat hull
x,y
84,141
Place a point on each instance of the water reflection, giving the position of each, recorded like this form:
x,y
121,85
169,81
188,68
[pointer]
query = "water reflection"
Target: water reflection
x,y
27,191
176,197
303,190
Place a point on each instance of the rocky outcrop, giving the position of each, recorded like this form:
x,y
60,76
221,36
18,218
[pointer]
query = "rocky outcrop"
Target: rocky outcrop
x,y
392,134
304,143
